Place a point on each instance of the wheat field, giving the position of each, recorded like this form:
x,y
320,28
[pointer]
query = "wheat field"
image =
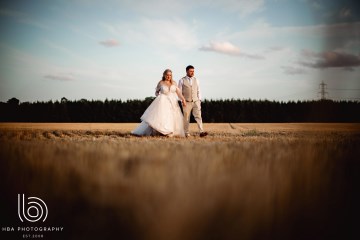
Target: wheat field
x,y
242,181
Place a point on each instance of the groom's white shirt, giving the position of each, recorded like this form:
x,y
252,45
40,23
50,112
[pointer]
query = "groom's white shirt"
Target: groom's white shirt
x,y
180,84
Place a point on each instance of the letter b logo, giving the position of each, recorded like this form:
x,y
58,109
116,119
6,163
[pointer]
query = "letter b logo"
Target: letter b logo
x,y
34,210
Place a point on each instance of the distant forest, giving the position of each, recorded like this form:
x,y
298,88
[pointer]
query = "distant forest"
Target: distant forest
x,y
227,110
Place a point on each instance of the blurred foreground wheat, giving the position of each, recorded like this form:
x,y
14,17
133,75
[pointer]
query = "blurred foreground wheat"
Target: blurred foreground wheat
x,y
243,184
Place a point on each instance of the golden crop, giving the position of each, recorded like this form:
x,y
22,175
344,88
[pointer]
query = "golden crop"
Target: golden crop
x,y
243,181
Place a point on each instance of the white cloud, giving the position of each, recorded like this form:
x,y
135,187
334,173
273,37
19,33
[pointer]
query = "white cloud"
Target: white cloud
x,y
60,77
110,43
242,7
290,70
260,29
157,8
340,37
168,32
167,8
222,47
275,48
171,32
229,49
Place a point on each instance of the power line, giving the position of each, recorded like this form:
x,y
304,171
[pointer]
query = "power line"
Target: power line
x,y
346,98
345,89
323,92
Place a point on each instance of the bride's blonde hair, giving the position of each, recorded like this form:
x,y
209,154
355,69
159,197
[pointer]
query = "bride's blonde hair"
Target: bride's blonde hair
x,y
164,74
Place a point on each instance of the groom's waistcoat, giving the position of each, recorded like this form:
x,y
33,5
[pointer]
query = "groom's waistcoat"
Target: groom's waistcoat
x,y
190,91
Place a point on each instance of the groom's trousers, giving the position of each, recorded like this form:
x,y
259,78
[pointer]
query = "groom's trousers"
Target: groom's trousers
x,y
195,108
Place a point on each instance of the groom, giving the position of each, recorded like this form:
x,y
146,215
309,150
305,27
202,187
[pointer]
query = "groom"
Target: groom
x,y
189,86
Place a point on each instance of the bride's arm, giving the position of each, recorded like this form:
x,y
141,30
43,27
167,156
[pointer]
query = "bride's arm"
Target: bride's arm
x,y
178,92
157,89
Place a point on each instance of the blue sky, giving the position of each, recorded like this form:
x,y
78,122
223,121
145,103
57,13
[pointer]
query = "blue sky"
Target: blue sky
x,y
118,49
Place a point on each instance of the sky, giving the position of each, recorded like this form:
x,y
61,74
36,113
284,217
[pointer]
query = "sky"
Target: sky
x,y
118,49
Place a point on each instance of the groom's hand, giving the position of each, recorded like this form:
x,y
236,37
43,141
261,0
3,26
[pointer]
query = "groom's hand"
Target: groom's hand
x,y
184,103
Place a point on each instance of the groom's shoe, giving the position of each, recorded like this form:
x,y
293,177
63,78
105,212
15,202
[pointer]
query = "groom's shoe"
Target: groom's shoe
x,y
187,135
203,134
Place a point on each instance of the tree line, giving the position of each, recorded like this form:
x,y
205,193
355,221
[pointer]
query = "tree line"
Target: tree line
x,y
213,111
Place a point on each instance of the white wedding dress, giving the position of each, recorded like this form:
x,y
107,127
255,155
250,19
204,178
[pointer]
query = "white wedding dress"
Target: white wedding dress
x,y
162,116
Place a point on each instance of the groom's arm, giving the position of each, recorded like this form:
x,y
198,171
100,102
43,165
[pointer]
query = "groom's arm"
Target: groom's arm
x,y
198,92
180,85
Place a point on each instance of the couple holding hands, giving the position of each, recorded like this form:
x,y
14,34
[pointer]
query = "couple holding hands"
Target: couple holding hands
x,y
164,116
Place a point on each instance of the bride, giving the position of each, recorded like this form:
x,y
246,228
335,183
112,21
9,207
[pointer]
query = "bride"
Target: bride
x,y
163,116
